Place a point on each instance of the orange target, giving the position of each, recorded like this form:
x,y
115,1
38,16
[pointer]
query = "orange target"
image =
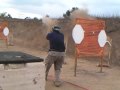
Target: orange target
x,y
4,31
89,37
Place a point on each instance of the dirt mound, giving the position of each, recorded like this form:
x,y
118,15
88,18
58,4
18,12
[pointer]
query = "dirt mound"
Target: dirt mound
x,y
29,34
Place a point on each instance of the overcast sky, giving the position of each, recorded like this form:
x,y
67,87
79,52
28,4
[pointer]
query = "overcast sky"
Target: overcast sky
x,y
56,8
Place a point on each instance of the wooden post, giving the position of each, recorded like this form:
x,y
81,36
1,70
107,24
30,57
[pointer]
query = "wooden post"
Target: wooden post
x,y
6,41
101,61
75,69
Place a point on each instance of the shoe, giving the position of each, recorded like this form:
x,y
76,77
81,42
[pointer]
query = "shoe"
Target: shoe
x,y
57,83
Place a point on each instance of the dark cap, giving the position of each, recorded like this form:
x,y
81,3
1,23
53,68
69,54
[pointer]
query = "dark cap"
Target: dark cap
x,y
57,28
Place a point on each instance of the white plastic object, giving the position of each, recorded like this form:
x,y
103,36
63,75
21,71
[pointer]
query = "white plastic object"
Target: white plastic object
x,y
78,34
6,31
102,38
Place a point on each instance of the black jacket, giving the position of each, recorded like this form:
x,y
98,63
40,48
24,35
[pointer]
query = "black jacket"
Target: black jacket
x,y
56,40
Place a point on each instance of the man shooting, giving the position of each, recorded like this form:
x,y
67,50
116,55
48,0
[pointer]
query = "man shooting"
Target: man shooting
x,y
56,53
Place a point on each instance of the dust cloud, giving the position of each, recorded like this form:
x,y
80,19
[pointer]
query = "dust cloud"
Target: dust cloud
x,y
80,13
49,23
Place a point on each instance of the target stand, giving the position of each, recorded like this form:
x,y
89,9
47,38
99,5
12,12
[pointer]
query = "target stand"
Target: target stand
x,y
4,32
90,38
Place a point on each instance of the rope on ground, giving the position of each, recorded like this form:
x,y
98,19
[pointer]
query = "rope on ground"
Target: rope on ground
x,y
78,86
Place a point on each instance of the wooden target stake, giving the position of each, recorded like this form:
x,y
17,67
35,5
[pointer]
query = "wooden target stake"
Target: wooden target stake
x,y
75,68
101,62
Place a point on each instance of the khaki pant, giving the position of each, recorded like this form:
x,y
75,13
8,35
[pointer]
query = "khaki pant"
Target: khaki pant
x,y
57,60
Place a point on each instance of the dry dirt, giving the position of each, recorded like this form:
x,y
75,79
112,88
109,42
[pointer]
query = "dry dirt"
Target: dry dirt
x,y
88,75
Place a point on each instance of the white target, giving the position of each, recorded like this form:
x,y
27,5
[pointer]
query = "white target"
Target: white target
x,y
6,31
102,38
78,34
